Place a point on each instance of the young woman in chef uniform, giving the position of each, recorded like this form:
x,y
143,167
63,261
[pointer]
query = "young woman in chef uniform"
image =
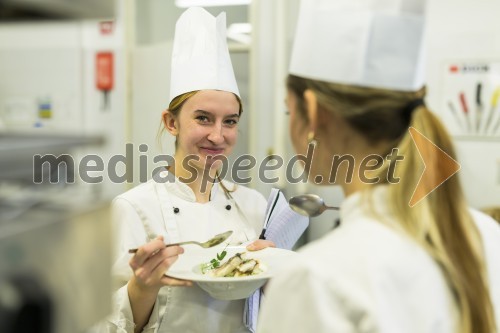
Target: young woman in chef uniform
x,y
396,264
203,116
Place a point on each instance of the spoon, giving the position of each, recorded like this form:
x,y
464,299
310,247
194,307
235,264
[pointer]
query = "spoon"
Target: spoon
x,y
216,240
309,205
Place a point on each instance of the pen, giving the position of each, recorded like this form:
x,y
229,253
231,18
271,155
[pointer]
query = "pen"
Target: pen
x,y
479,107
465,109
497,125
263,233
494,103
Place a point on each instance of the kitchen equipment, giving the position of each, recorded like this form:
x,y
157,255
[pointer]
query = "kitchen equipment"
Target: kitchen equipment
x,y
309,205
216,240
51,281
23,10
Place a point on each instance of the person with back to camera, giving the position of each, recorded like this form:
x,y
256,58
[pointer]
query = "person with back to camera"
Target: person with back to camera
x,y
356,89
203,115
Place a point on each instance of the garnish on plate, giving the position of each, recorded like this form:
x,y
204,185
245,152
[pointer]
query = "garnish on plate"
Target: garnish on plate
x,y
214,263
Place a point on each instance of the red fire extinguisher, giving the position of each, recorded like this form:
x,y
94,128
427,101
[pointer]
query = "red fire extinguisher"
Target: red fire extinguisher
x,y
104,75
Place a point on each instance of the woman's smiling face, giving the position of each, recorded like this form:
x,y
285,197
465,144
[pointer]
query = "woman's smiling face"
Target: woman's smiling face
x,y
206,127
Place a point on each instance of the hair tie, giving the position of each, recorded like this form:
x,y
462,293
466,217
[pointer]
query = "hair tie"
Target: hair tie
x,y
408,109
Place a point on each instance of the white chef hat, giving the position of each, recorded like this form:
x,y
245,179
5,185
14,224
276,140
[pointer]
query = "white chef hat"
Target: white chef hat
x,y
371,43
200,56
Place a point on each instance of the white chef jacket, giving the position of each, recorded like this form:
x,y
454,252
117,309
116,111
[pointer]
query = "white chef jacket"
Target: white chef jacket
x,y
367,277
147,211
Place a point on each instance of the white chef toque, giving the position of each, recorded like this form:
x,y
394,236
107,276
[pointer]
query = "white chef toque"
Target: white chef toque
x,y
371,43
200,56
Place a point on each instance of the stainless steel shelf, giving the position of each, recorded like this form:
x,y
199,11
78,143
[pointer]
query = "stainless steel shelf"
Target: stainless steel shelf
x,y
18,149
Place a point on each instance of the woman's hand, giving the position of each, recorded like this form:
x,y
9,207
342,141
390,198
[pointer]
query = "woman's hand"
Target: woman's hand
x,y
151,262
260,244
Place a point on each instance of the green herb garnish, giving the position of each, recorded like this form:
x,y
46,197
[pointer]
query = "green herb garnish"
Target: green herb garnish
x,y
222,254
214,263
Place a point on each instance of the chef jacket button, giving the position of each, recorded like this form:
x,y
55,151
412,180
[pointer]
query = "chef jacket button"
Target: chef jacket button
x,y
176,210
228,207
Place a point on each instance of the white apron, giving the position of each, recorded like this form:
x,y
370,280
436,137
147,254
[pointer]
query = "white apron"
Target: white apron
x,y
192,305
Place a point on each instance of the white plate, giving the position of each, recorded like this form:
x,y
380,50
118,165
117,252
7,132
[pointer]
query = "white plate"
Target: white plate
x,y
187,267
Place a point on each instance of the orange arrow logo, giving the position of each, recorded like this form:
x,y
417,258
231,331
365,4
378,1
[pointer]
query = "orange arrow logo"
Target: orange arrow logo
x,y
431,178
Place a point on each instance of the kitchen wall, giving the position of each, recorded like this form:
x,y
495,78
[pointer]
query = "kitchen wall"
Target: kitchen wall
x,y
467,32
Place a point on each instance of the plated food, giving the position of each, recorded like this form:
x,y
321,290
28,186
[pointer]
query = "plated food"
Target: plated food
x,y
238,265
189,267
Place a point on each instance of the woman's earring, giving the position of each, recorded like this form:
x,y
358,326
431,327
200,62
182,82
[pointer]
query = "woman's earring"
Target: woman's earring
x,y
311,140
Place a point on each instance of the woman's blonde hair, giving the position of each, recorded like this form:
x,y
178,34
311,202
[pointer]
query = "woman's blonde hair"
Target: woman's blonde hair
x,y
441,222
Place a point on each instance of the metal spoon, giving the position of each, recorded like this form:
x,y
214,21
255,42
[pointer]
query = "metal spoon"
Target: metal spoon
x,y
216,240
309,205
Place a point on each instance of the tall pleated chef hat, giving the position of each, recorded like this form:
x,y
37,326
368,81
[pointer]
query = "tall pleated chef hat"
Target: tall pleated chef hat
x,y
200,56
371,43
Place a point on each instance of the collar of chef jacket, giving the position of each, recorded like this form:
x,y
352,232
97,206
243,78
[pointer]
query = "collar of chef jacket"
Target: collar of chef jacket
x,y
183,191
372,202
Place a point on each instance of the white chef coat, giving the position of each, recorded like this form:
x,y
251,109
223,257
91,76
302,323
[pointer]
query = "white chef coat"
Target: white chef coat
x,y
367,277
147,211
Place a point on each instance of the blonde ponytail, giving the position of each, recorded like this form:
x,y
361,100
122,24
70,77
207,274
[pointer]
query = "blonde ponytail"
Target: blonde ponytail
x,y
441,224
